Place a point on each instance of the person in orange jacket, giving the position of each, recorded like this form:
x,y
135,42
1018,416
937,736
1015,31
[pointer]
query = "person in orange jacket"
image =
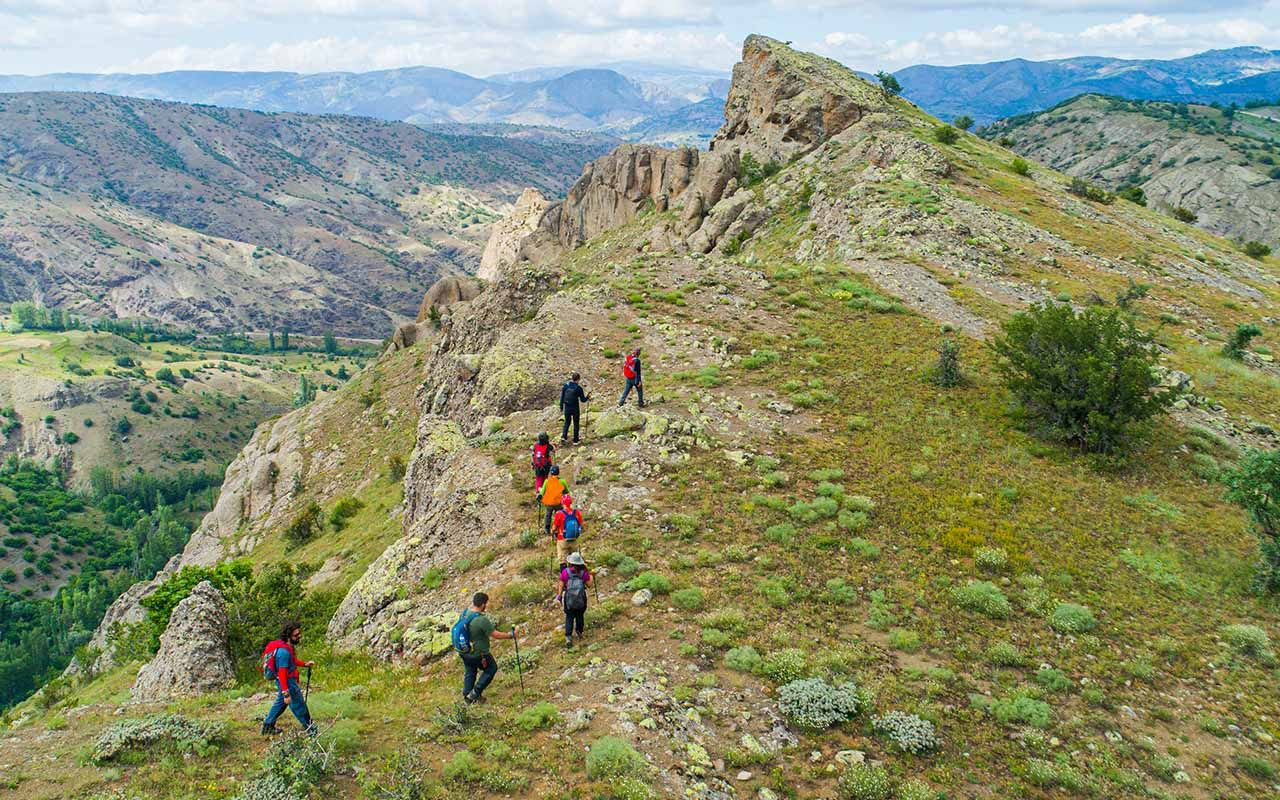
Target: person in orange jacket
x,y
552,491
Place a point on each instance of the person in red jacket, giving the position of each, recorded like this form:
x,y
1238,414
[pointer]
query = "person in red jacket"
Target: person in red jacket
x,y
632,371
281,659
567,526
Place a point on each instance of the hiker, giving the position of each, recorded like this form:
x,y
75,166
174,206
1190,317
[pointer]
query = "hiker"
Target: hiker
x,y
574,580
567,525
571,395
550,494
543,454
280,663
631,371
471,634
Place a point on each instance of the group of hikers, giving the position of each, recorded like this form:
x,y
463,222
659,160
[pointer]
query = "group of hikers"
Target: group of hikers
x,y
473,633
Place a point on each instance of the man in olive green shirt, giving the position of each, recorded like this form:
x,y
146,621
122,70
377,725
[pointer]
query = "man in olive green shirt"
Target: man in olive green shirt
x,y
480,660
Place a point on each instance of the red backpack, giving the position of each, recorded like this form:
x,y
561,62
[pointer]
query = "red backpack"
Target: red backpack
x,y
629,366
269,659
541,456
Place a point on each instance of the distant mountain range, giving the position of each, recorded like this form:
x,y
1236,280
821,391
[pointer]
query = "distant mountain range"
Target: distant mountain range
x,y
988,92
673,104
617,100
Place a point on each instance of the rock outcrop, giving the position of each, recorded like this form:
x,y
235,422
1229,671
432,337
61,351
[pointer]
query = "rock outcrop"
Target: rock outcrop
x,y
448,290
783,104
508,235
614,189
193,657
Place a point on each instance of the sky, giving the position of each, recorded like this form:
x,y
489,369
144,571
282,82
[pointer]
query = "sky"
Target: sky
x,y
484,37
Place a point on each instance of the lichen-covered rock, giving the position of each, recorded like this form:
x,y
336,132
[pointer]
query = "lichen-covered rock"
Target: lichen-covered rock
x,y
445,292
615,421
193,657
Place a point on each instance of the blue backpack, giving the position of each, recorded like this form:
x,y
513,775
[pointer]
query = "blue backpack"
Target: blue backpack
x,y
461,633
572,528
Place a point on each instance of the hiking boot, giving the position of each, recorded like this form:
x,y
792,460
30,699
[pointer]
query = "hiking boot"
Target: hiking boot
x,y
269,730
469,698
568,641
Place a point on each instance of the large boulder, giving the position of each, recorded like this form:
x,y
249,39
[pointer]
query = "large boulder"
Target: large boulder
x,y
508,235
445,292
193,657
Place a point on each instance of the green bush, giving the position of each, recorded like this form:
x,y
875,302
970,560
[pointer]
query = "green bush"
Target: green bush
x,y
1022,710
1248,640
690,599
783,666
526,593
945,134
864,548
743,659
946,372
783,534
1257,768
815,704
541,715
864,782
1055,680
1020,166
173,733
1239,341
840,592
1085,378
343,510
304,527
1004,654
1254,485
1072,618
653,581
990,559
776,591
613,759
1184,214
853,521
1083,189
1254,249
982,597
464,767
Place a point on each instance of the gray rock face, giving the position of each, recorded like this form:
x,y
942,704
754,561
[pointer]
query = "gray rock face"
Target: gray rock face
x,y
615,188
448,290
193,657
780,106
508,235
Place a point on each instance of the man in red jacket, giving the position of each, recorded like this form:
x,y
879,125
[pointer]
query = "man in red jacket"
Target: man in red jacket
x,y
281,660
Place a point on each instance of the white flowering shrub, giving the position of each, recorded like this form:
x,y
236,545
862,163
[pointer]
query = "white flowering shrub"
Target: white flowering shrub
x,y
991,559
908,732
864,782
170,731
813,703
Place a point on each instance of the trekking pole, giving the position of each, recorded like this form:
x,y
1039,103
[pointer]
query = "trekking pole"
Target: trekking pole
x,y
519,670
306,694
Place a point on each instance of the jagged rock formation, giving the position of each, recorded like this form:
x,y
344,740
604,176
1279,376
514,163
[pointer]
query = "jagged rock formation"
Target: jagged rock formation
x,y
449,290
507,236
782,104
193,657
615,188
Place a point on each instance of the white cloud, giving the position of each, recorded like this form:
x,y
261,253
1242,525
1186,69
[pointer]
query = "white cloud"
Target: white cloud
x,y
1135,36
1029,6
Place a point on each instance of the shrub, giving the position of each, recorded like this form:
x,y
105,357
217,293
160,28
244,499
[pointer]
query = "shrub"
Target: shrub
x,y
627,566
292,767
1055,680
1083,189
904,640
1254,249
916,789
782,534
174,732
1184,214
540,715
743,659
464,767
1254,485
304,527
982,597
776,591
859,502
815,704
783,666
852,521
946,372
1258,768
1020,166
613,759
1248,640
1072,618
690,599
840,592
343,510
1085,377
990,559
1134,194
1239,340
1004,654
655,582
751,171
864,548
1021,710
864,782
945,134
908,732
526,593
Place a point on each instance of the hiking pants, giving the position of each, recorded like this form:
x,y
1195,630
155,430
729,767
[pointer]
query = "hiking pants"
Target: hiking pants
x,y
571,414
539,475
573,620
486,665
548,514
564,547
632,383
297,704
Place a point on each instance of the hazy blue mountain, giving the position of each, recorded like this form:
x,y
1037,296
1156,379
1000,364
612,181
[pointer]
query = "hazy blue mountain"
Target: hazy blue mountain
x,y
988,92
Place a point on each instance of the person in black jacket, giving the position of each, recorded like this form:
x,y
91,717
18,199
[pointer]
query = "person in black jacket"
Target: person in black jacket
x,y
571,396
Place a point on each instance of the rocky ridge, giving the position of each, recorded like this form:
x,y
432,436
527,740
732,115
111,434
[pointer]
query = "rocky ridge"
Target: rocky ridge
x,y
193,657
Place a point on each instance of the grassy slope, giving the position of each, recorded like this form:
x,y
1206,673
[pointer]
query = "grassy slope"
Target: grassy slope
x,y
1153,550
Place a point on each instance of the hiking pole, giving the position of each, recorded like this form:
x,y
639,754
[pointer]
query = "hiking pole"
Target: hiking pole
x,y
519,670
306,694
